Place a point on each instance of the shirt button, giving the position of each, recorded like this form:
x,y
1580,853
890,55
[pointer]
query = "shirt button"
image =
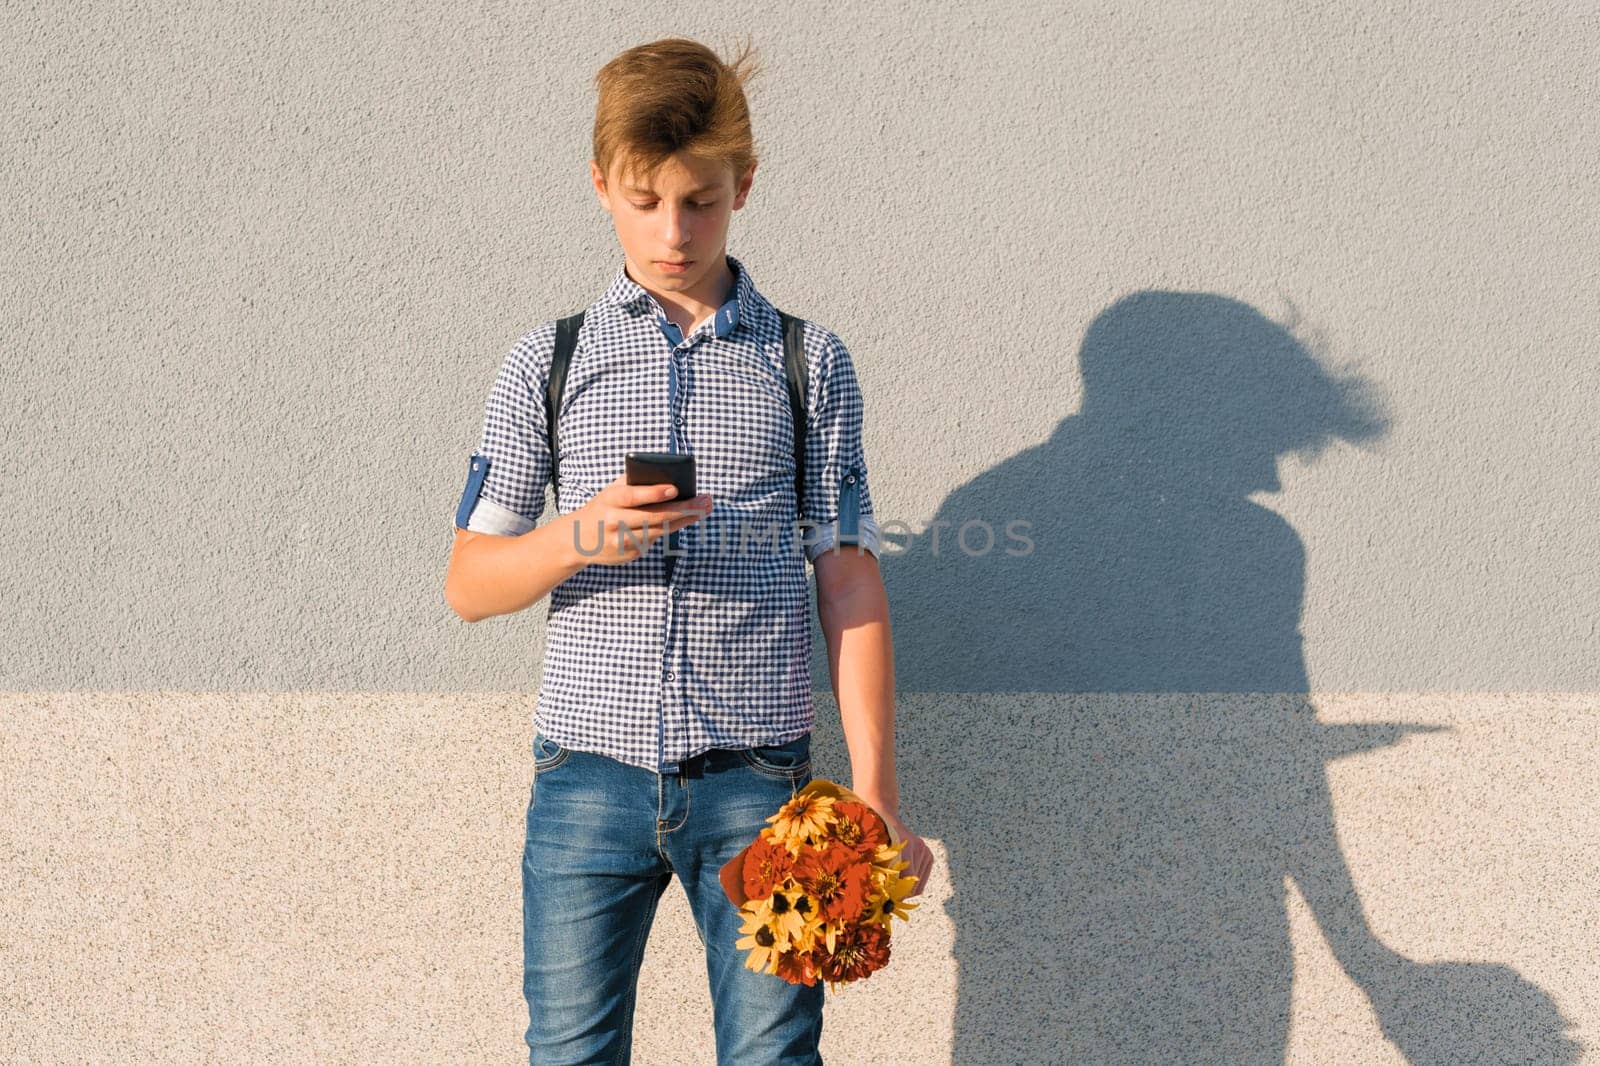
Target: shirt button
x,y
671,675
680,420
849,479
674,592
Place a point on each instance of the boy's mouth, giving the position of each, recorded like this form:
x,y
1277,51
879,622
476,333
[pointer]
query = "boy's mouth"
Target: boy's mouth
x,y
674,266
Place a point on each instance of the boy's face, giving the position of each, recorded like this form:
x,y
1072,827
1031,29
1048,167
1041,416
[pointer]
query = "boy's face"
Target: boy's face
x,y
680,214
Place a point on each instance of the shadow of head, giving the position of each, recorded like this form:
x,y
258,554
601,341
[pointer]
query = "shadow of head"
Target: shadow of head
x,y
1123,553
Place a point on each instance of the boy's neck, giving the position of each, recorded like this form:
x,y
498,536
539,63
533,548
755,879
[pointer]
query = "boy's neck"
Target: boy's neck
x,y
688,308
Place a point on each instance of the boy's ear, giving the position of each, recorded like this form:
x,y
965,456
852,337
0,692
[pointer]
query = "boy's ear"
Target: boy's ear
x,y
597,178
742,186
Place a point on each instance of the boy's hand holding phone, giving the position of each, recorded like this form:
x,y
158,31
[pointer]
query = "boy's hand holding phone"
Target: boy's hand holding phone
x,y
646,511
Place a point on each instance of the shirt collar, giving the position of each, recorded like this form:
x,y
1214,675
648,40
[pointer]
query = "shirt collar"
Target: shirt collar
x,y
626,293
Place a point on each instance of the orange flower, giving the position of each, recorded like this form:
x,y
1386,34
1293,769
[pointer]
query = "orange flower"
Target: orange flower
x,y
766,863
859,950
799,967
836,878
858,826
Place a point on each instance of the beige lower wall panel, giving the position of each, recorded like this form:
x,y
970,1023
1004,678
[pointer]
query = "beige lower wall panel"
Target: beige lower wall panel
x,y
1127,878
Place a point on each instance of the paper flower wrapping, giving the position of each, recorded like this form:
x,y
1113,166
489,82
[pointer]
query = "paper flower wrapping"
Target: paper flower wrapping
x,y
819,887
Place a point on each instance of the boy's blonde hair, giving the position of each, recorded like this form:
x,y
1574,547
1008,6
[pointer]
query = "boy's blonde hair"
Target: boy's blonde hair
x,y
669,96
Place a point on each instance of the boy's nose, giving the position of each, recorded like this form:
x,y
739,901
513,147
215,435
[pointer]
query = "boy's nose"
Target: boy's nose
x,y
675,227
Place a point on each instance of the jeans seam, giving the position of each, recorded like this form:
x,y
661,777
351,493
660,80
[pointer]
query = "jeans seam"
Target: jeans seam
x,y
625,1048
687,796
660,833
775,771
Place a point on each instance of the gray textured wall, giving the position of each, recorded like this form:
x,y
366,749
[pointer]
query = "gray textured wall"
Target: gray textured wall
x,y
1277,321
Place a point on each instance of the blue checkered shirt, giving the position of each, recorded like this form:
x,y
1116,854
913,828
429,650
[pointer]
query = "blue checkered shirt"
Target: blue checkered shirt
x,y
651,668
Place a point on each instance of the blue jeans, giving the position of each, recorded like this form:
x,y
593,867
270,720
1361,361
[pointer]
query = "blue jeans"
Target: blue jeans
x,y
603,840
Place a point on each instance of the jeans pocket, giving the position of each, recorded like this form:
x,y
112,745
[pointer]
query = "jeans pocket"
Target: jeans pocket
x,y
790,759
547,754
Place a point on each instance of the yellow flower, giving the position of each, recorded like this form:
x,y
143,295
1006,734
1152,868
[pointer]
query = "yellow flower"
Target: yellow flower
x,y
786,920
758,941
806,817
889,889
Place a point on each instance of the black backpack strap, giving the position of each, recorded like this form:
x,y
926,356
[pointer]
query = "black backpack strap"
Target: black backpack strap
x,y
794,365
566,341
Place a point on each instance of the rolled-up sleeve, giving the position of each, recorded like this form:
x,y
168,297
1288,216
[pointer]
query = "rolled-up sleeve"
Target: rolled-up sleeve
x,y
838,505
510,470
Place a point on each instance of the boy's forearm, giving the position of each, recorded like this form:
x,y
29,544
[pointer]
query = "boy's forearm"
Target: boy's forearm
x,y
492,575
855,626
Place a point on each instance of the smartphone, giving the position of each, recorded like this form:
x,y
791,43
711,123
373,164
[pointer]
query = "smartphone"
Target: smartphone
x,y
661,468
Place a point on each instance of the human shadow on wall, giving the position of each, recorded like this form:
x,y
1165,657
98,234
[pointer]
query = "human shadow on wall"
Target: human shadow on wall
x,y
1119,862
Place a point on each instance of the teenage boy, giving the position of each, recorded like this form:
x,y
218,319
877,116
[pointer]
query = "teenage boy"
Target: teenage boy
x,y
674,713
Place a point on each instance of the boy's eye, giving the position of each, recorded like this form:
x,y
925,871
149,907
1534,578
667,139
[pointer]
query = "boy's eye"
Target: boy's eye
x,y
692,203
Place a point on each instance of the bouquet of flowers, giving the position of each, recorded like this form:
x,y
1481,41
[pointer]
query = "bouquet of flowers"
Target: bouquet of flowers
x,y
819,887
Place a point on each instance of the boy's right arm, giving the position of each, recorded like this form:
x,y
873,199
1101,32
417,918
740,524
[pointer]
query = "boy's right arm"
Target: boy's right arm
x,y
490,574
